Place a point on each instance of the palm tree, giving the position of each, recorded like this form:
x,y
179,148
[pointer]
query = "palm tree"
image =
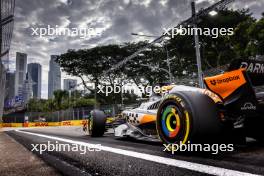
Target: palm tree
x,y
49,105
59,95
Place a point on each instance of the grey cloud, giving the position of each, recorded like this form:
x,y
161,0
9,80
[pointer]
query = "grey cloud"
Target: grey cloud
x,y
120,17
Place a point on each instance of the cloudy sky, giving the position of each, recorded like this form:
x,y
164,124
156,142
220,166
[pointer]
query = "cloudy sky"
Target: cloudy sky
x,y
115,18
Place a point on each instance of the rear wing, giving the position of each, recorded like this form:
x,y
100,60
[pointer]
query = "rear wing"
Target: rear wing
x,y
254,69
235,90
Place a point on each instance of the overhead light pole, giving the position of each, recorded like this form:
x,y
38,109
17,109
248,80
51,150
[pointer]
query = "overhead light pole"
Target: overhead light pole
x,y
219,5
213,13
197,48
168,59
143,35
1,31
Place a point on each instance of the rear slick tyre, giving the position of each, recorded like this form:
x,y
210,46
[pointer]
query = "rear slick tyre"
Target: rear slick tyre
x,y
185,117
96,124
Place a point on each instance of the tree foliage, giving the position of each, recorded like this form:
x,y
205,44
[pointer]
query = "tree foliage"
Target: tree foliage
x,y
89,64
61,101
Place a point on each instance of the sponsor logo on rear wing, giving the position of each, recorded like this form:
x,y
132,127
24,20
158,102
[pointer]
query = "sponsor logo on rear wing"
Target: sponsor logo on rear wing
x,y
253,67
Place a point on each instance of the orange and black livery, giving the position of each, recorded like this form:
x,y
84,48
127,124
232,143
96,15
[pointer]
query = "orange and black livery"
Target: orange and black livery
x,y
228,108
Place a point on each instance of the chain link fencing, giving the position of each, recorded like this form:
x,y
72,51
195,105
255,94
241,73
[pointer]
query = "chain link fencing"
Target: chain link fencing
x,y
68,114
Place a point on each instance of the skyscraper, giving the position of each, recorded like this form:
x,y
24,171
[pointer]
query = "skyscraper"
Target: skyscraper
x,y
21,70
27,92
6,29
34,73
10,89
2,88
10,85
54,76
69,84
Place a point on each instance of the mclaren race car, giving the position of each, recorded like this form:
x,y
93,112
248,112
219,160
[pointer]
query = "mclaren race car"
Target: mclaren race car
x,y
227,107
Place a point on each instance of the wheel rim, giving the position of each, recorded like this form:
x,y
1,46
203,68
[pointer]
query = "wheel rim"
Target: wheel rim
x,y
90,125
170,122
173,123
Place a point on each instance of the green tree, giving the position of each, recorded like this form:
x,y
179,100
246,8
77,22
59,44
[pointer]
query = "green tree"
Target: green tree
x,y
256,35
214,51
49,106
59,97
89,64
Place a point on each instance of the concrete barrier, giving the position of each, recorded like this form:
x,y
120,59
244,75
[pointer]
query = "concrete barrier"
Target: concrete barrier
x,y
54,123
73,123
12,125
44,124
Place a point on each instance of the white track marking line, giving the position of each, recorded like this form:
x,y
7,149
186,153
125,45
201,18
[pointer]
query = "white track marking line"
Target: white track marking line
x,y
162,160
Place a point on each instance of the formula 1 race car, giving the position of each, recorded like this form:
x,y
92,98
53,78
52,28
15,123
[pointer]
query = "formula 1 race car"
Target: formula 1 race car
x,y
228,105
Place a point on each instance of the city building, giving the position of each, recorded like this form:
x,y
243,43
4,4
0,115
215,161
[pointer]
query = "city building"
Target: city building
x,y
21,70
34,74
27,92
6,30
54,76
10,85
2,88
69,84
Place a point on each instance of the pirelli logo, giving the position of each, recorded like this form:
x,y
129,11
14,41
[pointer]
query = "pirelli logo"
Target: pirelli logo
x,y
225,80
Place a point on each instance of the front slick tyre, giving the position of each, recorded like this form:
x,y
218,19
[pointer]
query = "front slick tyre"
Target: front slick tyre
x,y
96,123
188,117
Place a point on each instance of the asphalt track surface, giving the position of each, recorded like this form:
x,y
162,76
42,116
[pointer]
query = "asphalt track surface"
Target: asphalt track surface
x,y
132,157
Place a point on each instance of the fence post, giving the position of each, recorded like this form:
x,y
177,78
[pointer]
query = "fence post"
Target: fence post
x,y
73,114
82,113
